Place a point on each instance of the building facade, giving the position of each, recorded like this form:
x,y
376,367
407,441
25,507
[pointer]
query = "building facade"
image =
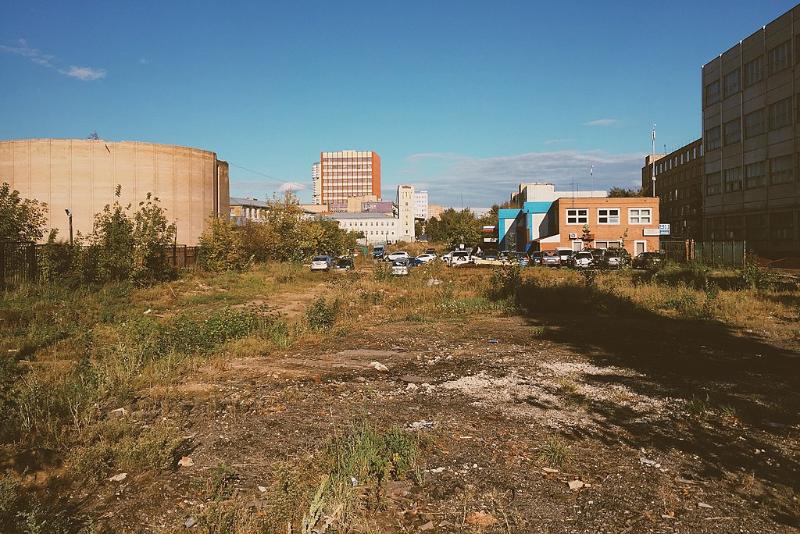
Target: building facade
x,y
244,210
376,227
751,190
421,205
348,173
316,189
82,175
679,183
578,223
405,212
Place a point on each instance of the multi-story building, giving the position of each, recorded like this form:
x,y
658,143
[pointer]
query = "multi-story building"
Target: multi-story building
x,y
316,195
620,222
348,173
750,104
376,227
405,211
679,181
245,210
523,221
421,205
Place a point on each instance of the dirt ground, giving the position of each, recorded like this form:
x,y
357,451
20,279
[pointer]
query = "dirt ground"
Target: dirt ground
x,y
665,425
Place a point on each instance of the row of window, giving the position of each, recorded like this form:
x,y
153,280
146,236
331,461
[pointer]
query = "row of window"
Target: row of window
x,y
774,117
362,224
610,216
755,227
780,171
666,164
778,59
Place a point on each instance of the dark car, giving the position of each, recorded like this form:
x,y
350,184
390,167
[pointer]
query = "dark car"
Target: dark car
x,y
598,255
345,263
649,260
616,258
536,257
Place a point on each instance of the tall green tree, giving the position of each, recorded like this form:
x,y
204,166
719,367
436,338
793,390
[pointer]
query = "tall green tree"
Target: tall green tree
x,y
21,219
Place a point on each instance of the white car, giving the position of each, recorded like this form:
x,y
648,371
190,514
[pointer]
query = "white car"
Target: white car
x,y
425,258
400,267
399,255
459,257
321,263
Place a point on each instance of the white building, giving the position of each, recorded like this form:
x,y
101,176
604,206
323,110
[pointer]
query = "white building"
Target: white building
x,y
376,227
421,205
405,210
316,180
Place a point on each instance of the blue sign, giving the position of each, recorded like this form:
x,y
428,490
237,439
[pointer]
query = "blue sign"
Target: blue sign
x,y
664,229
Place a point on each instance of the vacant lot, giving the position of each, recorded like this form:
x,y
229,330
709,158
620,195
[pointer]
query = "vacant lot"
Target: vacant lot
x,y
450,401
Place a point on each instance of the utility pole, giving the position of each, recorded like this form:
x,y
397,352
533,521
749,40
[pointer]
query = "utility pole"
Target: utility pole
x,y
653,162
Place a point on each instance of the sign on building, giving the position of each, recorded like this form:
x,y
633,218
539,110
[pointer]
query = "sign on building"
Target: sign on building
x,y
664,229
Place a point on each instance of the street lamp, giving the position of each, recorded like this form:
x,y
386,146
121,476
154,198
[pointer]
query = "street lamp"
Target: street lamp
x,y
69,216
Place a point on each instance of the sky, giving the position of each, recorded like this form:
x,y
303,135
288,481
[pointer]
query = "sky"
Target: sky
x,y
463,98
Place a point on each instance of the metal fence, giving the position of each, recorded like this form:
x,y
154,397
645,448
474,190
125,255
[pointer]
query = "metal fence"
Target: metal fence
x,y
19,262
716,253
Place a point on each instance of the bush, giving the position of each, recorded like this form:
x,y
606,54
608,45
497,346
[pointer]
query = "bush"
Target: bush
x,y
20,219
222,247
321,315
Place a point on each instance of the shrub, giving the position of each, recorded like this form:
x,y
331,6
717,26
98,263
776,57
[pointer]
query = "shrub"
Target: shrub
x,y
321,315
755,276
554,452
222,247
20,219
505,282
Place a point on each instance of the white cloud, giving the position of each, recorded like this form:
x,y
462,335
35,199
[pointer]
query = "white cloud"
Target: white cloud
x,y
51,62
84,73
602,122
292,186
485,181
557,141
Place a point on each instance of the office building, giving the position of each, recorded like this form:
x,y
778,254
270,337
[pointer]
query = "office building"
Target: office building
x,y
376,227
82,175
421,205
679,181
348,173
751,190
316,195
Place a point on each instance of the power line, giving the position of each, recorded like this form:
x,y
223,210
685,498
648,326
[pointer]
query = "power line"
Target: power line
x,y
265,175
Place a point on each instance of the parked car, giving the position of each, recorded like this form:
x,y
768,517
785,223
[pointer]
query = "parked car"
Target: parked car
x,y
649,260
321,263
378,251
399,255
565,254
459,257
616,258
425,258
536,258
344,263
400,267
582,260
430,251
551,258
598,255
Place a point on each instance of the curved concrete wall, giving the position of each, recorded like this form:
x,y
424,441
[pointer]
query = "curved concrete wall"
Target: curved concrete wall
x,y
82,175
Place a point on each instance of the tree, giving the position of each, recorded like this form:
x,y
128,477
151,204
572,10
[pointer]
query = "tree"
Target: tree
x,y
20,219
222,247
621,192
111,241
152,234
454,227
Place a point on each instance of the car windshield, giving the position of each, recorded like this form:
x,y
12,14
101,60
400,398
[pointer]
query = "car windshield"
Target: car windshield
x,y
320,258
586,255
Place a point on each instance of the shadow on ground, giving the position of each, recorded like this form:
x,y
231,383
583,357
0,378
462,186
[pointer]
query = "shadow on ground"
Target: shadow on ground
x,y
711,367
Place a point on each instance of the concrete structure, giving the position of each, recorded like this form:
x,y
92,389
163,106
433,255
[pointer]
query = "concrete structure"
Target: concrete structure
x,y
679,183
751,189
523,222
421,205
355,204
316,181
376,227
348,173
579,223
82,175
245,210
405,212
435,210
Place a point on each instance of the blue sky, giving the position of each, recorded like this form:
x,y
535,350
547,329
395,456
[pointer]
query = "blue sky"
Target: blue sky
x,y
464,98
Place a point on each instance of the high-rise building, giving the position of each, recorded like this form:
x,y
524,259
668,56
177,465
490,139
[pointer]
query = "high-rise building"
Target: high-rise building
x,y
317,184
679,180
751,190
348,173
405,211
421,205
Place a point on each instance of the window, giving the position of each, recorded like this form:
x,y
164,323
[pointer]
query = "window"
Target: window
x,y
607,244
608,216
780,170
713,183
752,72
754,175
754,124
780,113
781,225
733,179
779,57
756,227
731,83
640,215
577,216
733,132
712,138
712,93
